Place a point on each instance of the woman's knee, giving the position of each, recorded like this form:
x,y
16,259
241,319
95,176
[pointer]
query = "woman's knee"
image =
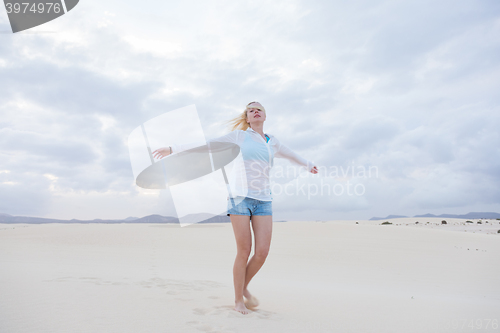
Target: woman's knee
x,y
261,253
244,252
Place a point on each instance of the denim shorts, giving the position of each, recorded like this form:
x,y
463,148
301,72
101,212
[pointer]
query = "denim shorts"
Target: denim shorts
x,y
249,206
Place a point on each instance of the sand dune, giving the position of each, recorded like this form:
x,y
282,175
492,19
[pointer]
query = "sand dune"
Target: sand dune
x,y
334,276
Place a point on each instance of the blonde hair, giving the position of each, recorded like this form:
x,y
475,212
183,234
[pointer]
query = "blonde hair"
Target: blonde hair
x,y
240,122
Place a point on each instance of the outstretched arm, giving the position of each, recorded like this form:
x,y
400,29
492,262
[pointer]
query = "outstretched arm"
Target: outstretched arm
x,y
232,137
284,152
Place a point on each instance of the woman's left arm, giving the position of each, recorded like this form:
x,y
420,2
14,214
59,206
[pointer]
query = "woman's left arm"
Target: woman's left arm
x,y
283,151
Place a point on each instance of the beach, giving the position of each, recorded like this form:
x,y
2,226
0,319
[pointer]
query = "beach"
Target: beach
x,y
320,276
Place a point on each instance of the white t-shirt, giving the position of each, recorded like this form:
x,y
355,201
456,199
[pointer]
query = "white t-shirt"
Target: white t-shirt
x,y
251,177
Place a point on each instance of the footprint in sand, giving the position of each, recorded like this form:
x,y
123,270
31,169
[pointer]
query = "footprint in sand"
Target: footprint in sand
x,y
93,280
204,327
184,299
202,311
228,311
175,287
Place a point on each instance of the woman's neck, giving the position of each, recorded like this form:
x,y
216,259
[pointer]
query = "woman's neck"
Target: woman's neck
x,y
259,129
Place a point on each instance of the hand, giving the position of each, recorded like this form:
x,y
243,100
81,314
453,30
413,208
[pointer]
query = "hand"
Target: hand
x,y
161,152
314,170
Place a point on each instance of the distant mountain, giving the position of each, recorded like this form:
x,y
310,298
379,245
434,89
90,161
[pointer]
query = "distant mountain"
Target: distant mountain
x,y
205,218
6,218
155,219
471,215
387,218
426,215
33,220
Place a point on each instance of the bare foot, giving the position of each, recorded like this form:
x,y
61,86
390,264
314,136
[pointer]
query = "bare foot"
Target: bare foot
x,y
251,301
240,307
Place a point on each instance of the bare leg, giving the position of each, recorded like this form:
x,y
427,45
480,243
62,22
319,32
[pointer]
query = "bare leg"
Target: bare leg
x,y
262,229
243,235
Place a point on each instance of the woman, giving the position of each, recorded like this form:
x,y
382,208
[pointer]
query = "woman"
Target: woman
x,y
252,201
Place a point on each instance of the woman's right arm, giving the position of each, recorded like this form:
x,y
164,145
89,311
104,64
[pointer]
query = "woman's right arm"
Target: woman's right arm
x,y
162,152
232,137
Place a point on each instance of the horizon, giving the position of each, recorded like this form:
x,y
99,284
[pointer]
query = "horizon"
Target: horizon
x,y
390,216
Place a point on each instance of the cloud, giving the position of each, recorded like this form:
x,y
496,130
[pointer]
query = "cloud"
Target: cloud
x,y
408,87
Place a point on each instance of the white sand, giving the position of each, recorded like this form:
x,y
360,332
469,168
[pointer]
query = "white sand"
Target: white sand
x,y
319,277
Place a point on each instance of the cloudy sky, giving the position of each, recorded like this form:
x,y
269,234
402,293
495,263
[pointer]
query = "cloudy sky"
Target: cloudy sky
x,y
406,88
